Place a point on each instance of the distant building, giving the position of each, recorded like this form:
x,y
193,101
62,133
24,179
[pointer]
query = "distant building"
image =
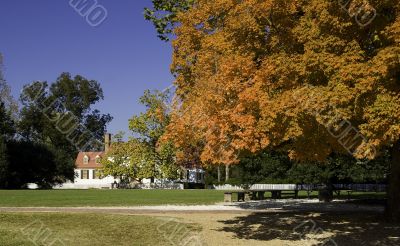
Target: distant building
x,y
192,174
88,167
87,170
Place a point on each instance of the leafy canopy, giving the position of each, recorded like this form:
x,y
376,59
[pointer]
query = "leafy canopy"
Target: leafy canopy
x,y
62,113
163,15
142,156
286,75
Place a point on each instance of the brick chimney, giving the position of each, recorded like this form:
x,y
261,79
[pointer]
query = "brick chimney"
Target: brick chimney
x,y
107,142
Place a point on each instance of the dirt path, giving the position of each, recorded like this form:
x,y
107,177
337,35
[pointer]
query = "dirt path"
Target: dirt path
x,y
265,223
284,205
213,233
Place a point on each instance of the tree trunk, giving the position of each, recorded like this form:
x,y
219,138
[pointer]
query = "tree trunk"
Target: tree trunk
x,y
226,172
393,203
219,173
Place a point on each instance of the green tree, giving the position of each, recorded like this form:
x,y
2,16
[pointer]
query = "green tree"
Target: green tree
x,y
61,113
7,131
163,15
156,159
4,174
119,137
340,169
5,94
117,162
23,162
59,117
266,167
275,167
135,161
7,125
35,163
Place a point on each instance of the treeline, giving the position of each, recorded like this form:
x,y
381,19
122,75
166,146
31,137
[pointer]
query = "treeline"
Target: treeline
x,y
277,168
39,142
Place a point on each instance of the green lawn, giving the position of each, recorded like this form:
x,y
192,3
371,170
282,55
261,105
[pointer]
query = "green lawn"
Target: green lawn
x,y
92,229
66,198
97,198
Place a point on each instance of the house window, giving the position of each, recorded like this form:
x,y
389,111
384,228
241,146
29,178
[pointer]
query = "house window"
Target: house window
x,y
98,159
95,174
86,159
85,174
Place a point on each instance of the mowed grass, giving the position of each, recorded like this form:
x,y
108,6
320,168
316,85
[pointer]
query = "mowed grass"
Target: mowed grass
x,y
92,229
97,198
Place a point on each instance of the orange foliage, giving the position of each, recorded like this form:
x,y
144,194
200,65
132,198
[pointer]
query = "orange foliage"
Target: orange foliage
x,y
284,74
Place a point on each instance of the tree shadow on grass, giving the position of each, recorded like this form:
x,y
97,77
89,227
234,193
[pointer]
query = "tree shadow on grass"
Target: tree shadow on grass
x,y
317,228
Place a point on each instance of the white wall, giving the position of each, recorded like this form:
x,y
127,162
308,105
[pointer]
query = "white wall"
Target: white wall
x,y
80,183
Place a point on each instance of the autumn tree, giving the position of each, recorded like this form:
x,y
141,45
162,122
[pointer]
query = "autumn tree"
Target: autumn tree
x,y
309,78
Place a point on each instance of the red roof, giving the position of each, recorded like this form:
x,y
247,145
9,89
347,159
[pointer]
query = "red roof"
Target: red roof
x,y
80,164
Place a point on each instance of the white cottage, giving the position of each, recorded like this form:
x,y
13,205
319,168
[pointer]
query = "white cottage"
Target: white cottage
x,y
87,170
88,167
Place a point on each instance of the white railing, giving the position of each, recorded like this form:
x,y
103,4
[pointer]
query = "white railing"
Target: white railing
x,y
225,187
167,186
292,187
256,187
72,186
273,187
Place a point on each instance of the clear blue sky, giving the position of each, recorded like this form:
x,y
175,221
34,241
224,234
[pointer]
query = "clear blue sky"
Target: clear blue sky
x,y
40,39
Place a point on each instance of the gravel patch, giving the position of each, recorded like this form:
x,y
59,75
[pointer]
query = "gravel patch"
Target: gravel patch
x,y
284,205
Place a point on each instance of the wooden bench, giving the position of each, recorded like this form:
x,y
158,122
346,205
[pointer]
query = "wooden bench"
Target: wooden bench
x,y
241,196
